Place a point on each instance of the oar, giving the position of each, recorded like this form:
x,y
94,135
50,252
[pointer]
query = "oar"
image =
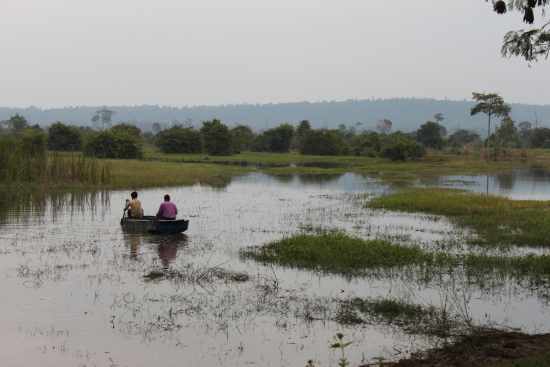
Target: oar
x,y
124,211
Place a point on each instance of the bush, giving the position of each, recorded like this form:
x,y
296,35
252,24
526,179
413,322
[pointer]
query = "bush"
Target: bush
x,y
431,135
275,140
179,140
399,147
323,142
216,138
366,144
242,137
64,138
112,145
127,129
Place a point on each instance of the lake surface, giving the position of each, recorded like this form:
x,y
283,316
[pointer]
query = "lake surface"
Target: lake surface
x,y
75,292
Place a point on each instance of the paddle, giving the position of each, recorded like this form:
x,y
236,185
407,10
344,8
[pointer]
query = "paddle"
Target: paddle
x,y
124,211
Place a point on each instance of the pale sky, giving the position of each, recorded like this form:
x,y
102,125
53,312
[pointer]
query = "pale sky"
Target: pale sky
x,y
186,52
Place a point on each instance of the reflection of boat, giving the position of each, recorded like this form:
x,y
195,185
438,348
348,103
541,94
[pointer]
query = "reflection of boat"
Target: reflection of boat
x,y
151,224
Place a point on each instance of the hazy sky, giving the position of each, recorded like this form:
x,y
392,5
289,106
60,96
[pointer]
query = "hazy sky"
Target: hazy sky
x,y
188,52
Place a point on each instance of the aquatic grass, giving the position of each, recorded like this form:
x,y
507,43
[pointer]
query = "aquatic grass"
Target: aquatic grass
x,y
496,220
335,252
338,253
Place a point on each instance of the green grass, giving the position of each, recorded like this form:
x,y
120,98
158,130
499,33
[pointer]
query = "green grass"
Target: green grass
x,y
435,163
339,253
496,220
142,174
335,253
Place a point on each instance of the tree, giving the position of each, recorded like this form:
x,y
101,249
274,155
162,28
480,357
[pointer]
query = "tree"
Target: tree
x,y
103,117
129,129
490,104
323,142
431,135
156,128
108,144
304,127
531,43
179,140
366,144
439,117
276,140
384,126
400,147
241,137
216,138
17,123
63,137
507,134
540,138
463,137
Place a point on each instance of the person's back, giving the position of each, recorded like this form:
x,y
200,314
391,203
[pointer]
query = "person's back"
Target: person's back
x,y
167,209
134,207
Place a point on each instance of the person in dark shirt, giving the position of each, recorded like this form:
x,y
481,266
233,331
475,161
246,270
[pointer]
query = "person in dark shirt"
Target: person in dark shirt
x,y
167,210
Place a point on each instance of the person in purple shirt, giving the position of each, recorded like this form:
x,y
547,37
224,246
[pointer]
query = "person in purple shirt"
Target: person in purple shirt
x,y
167,210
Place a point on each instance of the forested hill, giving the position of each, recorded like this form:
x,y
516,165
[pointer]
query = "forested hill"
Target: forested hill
x,y
406,113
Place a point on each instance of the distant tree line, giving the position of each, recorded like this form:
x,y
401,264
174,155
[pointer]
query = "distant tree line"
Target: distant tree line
x,y
125,141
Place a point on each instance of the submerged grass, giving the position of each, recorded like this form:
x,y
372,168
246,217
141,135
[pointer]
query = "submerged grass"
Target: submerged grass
x,y
497,220
414,319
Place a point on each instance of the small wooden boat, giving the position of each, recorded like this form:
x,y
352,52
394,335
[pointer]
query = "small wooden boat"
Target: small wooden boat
x,y
151,224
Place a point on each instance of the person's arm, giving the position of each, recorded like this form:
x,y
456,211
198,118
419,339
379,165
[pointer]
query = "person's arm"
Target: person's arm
x,y
159,212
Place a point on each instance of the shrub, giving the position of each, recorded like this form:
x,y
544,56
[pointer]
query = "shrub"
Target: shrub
x,y
179,140
322,142
399,147
112,145
216,138
128,129
275,140
366,144
431,135
242,137
64,138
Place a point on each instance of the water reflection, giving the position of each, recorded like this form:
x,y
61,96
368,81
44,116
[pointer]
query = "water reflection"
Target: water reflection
x,y
167,246
519,184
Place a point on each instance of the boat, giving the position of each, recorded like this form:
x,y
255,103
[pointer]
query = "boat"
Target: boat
x,y
150,224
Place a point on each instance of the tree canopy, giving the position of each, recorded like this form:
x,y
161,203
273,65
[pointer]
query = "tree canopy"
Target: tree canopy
x,y
531,43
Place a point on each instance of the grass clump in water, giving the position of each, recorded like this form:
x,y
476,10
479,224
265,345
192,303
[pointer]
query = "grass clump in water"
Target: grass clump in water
x,y
414,319
497,221
336,252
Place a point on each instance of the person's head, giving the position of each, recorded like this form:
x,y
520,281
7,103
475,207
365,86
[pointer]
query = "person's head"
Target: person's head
x,y
134,195
166,197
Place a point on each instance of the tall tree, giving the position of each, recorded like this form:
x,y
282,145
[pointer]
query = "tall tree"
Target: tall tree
x,y
490,104
531,43
17,123
104,117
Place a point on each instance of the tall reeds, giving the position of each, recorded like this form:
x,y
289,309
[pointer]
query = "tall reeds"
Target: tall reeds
x,y
24,159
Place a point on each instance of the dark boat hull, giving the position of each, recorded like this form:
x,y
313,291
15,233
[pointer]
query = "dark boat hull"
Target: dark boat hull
x,y
150,224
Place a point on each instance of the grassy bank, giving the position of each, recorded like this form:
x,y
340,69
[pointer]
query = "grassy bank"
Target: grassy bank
x,y
496,220
73,172
142,174
349,256
434,163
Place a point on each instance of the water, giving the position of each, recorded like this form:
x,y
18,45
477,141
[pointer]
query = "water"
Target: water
x,y
519,184
76,293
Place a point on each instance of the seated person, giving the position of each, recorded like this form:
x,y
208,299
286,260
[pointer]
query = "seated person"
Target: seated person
x,y
134,207
167,210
